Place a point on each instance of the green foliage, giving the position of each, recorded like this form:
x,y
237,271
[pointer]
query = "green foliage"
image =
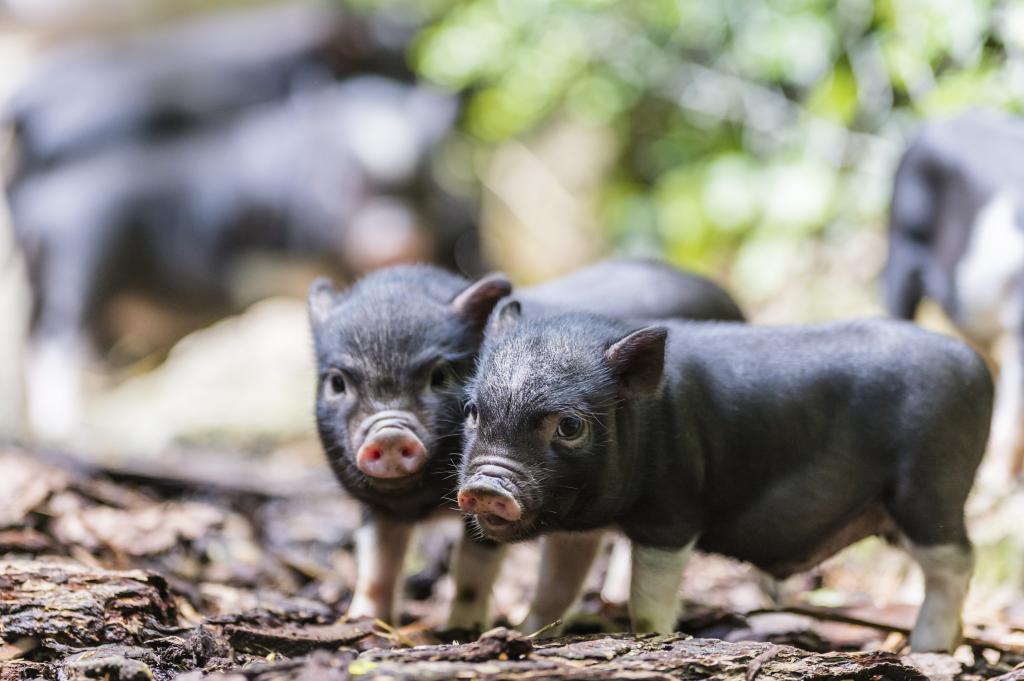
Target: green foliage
x,y
739,123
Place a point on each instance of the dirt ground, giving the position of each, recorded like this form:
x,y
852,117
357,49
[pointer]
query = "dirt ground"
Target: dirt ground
x,y
205,565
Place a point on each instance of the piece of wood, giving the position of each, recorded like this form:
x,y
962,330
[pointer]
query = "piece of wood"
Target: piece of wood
x,y
68,604
293,641
24,540
19,670
501,654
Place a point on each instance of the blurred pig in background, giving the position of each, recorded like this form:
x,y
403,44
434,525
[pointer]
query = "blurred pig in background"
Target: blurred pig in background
x,y
957,238
161,166
150,83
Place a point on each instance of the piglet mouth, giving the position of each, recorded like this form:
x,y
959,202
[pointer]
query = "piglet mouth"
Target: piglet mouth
x,y
499,529
495,521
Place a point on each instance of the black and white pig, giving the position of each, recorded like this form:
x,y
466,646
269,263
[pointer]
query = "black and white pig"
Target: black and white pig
x,y
774,445
394,353
338,176
957,237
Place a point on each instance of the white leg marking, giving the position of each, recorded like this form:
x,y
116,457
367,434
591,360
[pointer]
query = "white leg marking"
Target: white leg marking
x,y
54,386
1005,440
475,569
990,267
947,574
381,544
654,589
564,565
616,579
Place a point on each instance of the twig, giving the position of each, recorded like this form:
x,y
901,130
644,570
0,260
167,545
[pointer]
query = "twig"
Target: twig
x,y
831,615
546,628
394,634
754,668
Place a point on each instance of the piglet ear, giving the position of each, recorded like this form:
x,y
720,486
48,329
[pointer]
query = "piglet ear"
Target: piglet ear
x,y
475,303
322,298
638,360
505,317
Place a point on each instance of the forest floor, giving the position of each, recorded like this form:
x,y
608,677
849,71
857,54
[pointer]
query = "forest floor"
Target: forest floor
x,y
155,570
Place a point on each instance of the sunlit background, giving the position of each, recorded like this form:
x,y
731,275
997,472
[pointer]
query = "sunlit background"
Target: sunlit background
x,y
750,140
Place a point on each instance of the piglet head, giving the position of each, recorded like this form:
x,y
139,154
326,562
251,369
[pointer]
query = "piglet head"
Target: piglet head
x,y
540,447
393,355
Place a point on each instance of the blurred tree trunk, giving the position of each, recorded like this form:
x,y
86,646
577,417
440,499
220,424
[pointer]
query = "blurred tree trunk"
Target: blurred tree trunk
x,y
539,212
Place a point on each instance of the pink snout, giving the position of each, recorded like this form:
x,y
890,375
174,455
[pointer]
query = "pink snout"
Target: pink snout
x,y
391,453
485,501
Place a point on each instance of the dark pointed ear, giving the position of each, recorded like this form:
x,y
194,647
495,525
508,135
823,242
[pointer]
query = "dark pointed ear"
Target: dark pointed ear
x,y
505,317
475,303
322,298
638,360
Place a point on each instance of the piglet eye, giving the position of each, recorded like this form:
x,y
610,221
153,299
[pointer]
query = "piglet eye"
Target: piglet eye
x,y
472,416
569,427
334,384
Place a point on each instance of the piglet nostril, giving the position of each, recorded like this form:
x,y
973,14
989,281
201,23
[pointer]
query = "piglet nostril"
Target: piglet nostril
x,y
372,454
467,502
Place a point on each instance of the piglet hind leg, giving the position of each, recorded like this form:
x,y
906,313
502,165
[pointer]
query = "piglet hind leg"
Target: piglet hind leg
x,y
566,559
926,501
931,529
654,587
381,545
947,573
475,568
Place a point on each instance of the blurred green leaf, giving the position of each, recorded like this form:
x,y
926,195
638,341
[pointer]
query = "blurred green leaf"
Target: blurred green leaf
x,y
835,97
743,127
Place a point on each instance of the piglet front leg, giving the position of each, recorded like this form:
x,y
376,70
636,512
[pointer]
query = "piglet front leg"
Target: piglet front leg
x,y
475,568
616,580
565,563
654,587
381,543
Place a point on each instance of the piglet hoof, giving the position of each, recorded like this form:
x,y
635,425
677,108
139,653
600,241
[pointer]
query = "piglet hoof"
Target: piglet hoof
x,y
661,625
361,608
467,616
